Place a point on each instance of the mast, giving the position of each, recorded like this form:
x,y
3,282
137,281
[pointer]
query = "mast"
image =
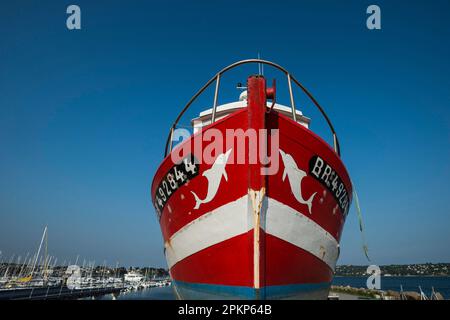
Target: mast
x,y
422,294
7,267
46,258
260,66
24,264
19,259
256,104
39,250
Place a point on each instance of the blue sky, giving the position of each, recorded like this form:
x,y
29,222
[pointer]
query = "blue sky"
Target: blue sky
x,y
84,114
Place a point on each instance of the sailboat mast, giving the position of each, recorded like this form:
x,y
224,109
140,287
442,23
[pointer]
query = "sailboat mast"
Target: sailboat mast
x,y
46,256
39,250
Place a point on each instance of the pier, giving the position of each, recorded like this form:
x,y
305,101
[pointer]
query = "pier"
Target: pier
x,y
56,293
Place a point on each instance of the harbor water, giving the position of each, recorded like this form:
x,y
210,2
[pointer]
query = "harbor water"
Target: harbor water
x,y
440,284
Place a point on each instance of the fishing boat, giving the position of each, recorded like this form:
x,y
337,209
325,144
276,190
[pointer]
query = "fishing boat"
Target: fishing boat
x,y
251,218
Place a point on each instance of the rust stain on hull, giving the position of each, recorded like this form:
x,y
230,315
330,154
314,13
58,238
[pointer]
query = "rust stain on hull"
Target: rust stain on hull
x,y
256,198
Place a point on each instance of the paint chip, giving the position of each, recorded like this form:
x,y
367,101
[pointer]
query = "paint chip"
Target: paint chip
x,y
334,210
322,251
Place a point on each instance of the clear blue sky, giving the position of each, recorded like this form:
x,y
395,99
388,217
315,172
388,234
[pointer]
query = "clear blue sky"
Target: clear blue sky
x,y
84,114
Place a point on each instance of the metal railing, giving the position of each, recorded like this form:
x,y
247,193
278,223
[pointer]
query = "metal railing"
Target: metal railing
x,y
216,78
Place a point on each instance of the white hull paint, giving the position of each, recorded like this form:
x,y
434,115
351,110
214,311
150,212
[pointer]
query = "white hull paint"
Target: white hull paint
x,y
236,218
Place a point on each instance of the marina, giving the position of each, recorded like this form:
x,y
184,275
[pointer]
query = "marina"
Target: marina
x,y
58,287
39,277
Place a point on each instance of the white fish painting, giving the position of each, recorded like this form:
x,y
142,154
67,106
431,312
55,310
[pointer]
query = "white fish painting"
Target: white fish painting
x,y
214,177
295,176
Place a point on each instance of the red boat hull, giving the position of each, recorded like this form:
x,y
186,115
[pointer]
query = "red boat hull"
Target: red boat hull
x,y
260,236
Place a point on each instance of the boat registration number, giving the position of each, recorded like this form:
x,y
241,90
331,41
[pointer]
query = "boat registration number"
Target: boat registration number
x,y
177,176
329,178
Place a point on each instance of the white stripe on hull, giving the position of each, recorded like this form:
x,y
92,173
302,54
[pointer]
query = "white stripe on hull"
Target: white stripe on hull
x,y
291,226
211,228
233,219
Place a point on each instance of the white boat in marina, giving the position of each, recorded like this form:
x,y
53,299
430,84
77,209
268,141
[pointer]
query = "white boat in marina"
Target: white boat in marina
x,y
133,277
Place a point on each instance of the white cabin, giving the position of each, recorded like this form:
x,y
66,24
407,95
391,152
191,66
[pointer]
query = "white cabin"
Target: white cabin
x,y
222,111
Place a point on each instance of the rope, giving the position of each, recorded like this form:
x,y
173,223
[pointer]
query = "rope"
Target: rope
x,y
361,225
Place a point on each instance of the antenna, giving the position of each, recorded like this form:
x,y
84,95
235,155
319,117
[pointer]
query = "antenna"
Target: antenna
x,y
260,66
